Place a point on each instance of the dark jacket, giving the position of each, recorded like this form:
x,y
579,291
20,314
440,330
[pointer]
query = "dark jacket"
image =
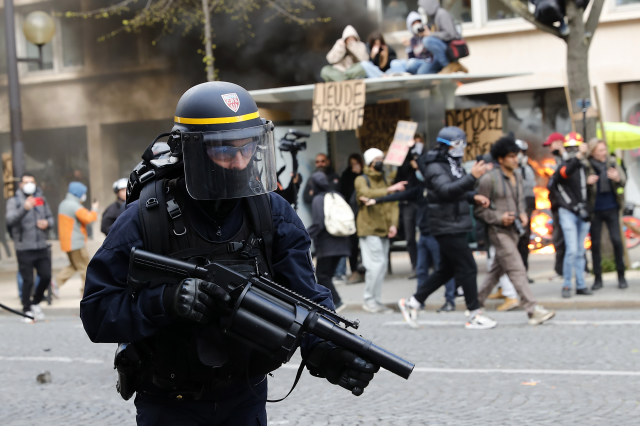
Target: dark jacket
x,y
347,183
24,232
569,184
448,197
616,187
326,244
334,182
376,59
110,215
443,24
109,313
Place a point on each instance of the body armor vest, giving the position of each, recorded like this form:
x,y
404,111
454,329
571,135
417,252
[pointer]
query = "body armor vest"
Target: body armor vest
x,y
191,352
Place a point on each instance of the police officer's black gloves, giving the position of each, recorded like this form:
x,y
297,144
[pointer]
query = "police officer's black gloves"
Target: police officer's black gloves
x,y
341,367
196,300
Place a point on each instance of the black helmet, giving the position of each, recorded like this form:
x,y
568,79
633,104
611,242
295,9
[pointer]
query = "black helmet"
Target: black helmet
x,y
228,149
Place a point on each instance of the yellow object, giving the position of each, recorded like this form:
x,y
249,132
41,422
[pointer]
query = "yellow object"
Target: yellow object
x,y
496,295
219,120
573,139
508,304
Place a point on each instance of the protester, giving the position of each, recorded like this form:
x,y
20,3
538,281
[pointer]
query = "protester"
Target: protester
x,y
548,12
329,249
408,207
605,188
290,193
555,145
528,178
73,218
117,207
505,287
347,188
428,254
375,224
437,42
569,185
418,56
346,57
449,192
506,218
380,55
28,218
323,164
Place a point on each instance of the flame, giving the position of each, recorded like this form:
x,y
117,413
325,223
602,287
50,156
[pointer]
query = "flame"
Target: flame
x,y
545,169
542,198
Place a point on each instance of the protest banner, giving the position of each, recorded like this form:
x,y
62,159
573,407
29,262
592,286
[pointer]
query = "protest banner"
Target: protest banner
x,y
338,106
483,126
405,131
380,121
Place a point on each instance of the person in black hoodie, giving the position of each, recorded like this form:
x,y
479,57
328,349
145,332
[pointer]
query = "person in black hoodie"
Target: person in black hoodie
x,y
117,207
329,249
449,191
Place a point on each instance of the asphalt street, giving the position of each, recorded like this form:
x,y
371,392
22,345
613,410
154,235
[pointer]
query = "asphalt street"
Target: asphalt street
x,y
582,369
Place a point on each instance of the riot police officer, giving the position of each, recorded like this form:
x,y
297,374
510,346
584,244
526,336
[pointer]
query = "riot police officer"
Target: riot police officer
x,y
193,373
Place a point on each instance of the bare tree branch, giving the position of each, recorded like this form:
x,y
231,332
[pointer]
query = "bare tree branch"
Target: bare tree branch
x,y
285,13
594,17
214,4
115,7
519,8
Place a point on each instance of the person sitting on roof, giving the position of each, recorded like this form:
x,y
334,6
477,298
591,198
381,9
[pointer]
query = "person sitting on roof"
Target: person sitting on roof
x,y
346,57
418,56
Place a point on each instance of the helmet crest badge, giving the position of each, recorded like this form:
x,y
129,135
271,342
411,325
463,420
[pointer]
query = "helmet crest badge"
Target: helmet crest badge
x,y
232,101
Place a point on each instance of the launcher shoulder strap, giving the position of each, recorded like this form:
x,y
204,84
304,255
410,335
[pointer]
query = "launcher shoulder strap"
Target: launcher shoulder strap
x,y
153,221
261,218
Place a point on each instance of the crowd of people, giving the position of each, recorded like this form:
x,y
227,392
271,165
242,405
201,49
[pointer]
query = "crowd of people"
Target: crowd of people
x,y
29,219
429,50
439,198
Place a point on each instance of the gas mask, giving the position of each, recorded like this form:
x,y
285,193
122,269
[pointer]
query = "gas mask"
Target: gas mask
x,y
29,188
523,159
458,148
83,198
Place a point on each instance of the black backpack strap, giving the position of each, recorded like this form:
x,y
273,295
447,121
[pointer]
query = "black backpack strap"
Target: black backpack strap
x,y
153,220
262,223
177,220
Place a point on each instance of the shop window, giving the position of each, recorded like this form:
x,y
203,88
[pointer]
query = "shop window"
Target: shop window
x,y
394,14
496,10
460,9
626,2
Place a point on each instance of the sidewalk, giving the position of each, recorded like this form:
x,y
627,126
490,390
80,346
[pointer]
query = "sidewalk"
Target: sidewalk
x,y
396,286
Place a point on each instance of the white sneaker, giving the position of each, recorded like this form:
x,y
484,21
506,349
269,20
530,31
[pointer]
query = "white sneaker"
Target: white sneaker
x,y
480,322
28,320
37,313
55,291
384,309
410,314
373,309
540,315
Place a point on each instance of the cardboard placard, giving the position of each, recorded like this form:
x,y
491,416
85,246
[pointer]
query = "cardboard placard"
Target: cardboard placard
x,y
405,131
380,121
483,126
338,106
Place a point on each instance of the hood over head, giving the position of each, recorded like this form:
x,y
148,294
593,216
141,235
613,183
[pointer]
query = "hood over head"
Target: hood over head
x,y
77,189
411,18
429,6
320,183
350,31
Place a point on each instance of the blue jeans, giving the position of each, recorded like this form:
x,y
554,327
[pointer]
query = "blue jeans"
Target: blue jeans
x,y
397,65
371,70
21,281
575,231
341,269
428,256
438,49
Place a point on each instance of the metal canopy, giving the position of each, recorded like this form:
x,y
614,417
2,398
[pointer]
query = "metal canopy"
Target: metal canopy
x,y
373,85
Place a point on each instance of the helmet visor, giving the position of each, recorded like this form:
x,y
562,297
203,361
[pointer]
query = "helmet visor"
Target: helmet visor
x,y
230,164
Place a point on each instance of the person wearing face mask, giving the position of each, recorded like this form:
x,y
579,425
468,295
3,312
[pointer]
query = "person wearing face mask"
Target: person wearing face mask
x,y
117,207
555,143
450,190
376,225
28,218
346,57
73,218
528,178
418,56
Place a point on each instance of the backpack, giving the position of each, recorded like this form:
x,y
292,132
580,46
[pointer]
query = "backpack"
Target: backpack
x,y
339,219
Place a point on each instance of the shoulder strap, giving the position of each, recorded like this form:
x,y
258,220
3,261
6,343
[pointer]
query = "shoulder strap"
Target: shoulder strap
x,y
262,223
366,177
153,220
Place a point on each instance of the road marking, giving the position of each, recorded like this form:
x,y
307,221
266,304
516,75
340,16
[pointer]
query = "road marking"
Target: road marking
x,y
510,371
551,322
50,359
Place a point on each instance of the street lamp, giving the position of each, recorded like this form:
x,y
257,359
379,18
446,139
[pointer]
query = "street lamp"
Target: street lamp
x,y
39,29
